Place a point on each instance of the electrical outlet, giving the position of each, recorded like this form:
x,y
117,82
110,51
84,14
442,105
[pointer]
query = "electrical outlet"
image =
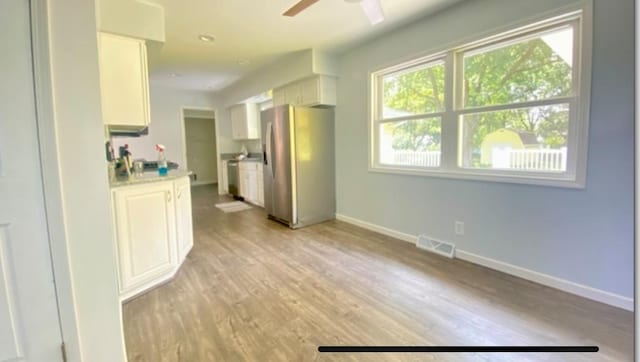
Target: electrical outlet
x,y
459,228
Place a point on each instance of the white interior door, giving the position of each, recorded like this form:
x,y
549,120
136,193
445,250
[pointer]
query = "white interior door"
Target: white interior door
x,y
29,324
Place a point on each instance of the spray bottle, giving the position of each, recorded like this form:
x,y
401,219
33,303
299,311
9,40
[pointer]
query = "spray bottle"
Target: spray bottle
x,y
162,161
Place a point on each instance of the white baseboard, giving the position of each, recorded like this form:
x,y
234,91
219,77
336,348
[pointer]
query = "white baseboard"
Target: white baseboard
x,y
200,183
380,229
531,275
550,281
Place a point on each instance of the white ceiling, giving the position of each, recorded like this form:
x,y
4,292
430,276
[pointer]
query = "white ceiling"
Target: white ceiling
x,y
255,31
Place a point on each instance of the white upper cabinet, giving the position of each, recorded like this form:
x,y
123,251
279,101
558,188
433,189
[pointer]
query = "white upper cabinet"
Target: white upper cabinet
x,y
313,91
292,94
245,121
124,80
279,96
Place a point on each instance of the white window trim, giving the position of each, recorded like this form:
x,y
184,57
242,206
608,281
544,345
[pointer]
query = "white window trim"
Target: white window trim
x,y
577,143
379,118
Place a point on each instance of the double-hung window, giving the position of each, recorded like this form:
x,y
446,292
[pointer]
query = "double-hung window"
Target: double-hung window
x,y
512,107
409,128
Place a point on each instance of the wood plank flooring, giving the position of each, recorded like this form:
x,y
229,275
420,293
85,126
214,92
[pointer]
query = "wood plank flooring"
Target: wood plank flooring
x,y
253,290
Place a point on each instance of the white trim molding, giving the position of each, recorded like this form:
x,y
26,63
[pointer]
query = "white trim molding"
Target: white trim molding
x,y
581,290
206,182
216,123
570,172
548,280
379,229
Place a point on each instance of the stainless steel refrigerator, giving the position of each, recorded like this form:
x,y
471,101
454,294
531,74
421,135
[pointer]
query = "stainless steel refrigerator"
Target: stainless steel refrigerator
x,y
299,172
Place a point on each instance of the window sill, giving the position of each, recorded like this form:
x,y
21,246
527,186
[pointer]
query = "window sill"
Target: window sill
x,y
553,180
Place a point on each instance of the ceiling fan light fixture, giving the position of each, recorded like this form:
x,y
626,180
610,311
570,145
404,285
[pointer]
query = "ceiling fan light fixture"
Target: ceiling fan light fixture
x,y
298,7
206,38
373,10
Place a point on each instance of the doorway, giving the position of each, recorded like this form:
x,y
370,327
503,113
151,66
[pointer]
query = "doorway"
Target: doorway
x,y
200,144
29,322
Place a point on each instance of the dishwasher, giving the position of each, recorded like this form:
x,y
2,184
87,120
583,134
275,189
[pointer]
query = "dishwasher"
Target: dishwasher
x,y
233,178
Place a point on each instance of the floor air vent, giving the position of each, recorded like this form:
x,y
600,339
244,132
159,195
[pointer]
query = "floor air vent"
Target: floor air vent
x,y
436,246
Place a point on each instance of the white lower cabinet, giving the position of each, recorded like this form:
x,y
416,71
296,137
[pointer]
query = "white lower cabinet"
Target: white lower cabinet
x,y
244,188
153,229
184,223
224,185
260,186
251,183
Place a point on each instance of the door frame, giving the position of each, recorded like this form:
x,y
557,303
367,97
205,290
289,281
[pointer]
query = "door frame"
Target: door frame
x,y
52,188
184,136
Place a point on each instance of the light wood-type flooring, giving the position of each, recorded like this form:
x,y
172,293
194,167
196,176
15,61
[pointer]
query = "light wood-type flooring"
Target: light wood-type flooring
x,y
253,290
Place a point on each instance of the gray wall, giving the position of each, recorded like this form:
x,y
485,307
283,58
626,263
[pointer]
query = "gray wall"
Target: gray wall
x,y
200,138
584,236
167,124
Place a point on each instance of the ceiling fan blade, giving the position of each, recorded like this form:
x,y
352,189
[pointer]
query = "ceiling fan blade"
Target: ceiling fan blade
x,y
373,10
301,5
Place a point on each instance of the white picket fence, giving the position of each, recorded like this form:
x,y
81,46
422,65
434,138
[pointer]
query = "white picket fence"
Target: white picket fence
x,y
542,159
417,158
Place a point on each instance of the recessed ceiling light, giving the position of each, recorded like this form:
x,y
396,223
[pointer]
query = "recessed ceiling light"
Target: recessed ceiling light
x,y
243,61
206,38
174,75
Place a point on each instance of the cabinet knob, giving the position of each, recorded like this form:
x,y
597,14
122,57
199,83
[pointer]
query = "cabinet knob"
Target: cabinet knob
x,y
168,196
179,194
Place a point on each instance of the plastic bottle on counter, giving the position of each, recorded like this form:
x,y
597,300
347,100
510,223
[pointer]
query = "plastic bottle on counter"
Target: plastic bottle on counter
x,y
162,161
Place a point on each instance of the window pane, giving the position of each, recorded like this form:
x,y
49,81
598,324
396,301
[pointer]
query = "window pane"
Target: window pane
x,y
530,139
411,143
531,69
418,90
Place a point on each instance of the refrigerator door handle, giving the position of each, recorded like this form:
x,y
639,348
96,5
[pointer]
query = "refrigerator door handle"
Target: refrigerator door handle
x,y
268,159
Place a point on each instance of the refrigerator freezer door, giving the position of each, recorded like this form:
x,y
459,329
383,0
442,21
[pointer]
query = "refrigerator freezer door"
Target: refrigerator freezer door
x,y
314,166
278,196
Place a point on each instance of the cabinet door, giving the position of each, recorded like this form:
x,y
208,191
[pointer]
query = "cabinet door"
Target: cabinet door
x,y
245,121
242,181
252,121
279,98
184,224
146,233
238,122
260,185
252,183
292,94
124,80
310,91
224,186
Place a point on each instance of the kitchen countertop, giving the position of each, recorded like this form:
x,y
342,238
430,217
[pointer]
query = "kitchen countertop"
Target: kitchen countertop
x,y
148,177
252,157
259,160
